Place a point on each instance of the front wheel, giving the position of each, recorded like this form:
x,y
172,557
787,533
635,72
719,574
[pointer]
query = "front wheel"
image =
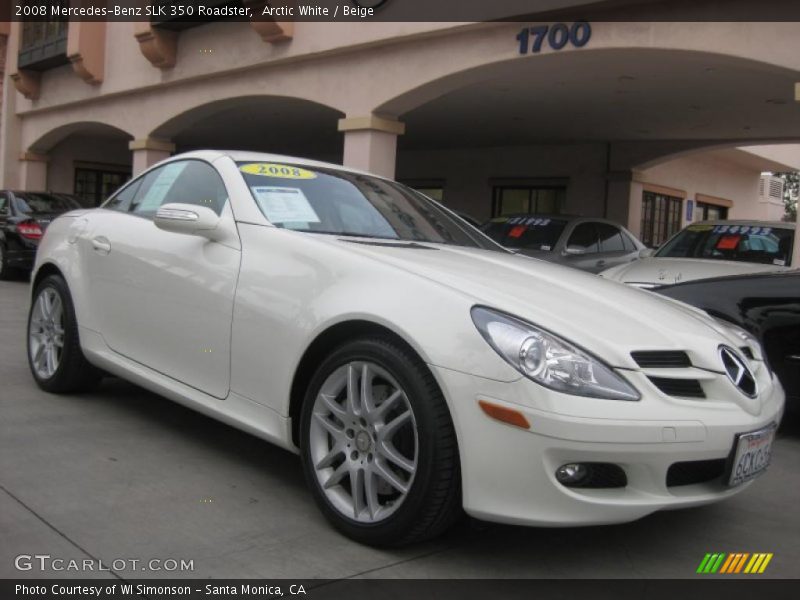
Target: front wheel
x,y
54,353
378,445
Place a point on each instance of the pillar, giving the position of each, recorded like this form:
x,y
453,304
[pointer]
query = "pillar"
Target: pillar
x,y
33,172
370,143
149,151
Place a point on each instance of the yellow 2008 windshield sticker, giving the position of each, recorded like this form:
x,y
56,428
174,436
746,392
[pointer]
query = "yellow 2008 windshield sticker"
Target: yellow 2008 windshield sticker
x,y
279,171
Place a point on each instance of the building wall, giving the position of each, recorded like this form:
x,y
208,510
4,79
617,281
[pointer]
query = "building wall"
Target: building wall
x,y
86,150
3,51
701,173
468,174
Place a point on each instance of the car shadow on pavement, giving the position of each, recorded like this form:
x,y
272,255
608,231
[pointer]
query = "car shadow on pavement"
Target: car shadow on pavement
x,y
665,544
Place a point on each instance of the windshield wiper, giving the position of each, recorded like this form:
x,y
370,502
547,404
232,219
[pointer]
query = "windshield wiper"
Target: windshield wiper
x,y
349,234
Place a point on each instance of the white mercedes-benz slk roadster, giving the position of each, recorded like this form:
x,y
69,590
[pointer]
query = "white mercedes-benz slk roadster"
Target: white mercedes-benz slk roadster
x,y
416,366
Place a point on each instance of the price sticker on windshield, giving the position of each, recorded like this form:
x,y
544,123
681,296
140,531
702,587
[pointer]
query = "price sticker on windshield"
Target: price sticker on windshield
x,y
728,242
278,171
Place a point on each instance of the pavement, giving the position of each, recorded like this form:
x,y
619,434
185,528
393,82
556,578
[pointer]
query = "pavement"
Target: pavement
x,y
120,473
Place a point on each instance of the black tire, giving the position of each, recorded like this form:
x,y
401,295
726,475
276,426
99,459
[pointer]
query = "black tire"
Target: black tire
x,y
6,272
433,502
73,373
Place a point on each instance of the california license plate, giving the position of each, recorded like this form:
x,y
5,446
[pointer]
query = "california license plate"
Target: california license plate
x,y
752,452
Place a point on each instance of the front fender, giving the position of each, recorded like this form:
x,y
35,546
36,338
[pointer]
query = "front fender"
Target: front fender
x,y
292,288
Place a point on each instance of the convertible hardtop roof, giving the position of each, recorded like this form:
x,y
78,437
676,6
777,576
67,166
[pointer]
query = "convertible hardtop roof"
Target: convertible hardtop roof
x,y
245,156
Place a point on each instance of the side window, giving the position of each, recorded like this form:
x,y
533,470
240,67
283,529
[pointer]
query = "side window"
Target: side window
x,y
122,200
583,237
186,182
630,245
610,238
3,205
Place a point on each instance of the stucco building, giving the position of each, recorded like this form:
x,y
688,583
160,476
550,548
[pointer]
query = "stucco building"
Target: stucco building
x,y
653,124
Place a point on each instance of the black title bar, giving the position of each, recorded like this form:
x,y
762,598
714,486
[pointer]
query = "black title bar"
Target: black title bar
x,y
202,11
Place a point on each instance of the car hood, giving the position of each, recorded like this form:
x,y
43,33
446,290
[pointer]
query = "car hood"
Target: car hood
x,y
608,319
666,271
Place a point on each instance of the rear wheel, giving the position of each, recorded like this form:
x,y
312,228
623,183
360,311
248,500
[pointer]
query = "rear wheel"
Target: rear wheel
x,y
378,446
54,353
5,270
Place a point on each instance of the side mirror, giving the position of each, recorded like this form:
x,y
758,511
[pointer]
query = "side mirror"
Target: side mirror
x,y
646,252
187,218
574,251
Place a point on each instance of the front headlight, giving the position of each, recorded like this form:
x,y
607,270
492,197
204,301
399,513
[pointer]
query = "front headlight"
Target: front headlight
x,y
549,360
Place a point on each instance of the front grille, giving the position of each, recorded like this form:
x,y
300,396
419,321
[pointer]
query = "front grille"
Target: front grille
x,y
661,359
695,471
684,388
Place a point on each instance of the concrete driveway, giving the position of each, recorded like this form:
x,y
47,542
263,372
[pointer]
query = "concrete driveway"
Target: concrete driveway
x,y
120,473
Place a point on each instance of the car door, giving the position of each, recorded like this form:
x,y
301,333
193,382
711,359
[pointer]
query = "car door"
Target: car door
x,y
582,249
613,249
166,299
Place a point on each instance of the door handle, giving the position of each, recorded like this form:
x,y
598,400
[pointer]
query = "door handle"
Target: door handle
x,y
101,244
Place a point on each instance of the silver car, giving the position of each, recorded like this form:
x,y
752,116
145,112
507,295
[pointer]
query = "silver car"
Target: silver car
x,y
587,243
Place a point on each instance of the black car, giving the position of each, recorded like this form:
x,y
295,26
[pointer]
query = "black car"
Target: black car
x,y
767,305
24,216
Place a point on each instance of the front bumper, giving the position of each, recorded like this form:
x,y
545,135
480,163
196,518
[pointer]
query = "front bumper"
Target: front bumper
x,y
508,473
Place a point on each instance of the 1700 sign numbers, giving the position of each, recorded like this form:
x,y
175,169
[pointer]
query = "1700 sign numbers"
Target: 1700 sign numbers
x,y
558,35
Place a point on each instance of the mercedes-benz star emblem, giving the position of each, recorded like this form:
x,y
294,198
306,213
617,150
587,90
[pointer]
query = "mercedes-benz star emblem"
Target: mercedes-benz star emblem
x,y
738,371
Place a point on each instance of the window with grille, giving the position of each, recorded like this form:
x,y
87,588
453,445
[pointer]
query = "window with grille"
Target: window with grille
x,y
661,218
92,186
509,200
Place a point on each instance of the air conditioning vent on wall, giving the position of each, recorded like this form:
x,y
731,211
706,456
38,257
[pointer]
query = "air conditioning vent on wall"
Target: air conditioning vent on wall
x,y
776,188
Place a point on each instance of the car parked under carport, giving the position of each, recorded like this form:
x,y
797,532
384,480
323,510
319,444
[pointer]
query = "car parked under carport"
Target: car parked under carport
x,y
765,304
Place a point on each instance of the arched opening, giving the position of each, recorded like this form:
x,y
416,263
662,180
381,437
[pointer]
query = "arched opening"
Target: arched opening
x,y
88,159
569,131
275,124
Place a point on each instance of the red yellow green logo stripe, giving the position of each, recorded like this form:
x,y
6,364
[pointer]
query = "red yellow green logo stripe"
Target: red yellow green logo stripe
x,y
735,562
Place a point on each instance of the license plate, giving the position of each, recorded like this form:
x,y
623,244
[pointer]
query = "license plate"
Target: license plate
x,y
751,455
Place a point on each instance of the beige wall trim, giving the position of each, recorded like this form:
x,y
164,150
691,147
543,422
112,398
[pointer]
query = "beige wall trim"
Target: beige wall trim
x,y
372,123
159,46
271,31
662,189
706,199
86,49
797,91
33,157
28,83
152,144
99,166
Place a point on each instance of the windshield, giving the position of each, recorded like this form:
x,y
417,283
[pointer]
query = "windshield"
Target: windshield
x,y
319,200
529,232
34,203
744,243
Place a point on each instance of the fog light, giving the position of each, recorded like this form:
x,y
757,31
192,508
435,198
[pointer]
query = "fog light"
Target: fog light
x,y
571,474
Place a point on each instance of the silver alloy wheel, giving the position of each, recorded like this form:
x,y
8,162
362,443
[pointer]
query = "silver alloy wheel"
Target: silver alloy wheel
x,y
46,333
363,442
